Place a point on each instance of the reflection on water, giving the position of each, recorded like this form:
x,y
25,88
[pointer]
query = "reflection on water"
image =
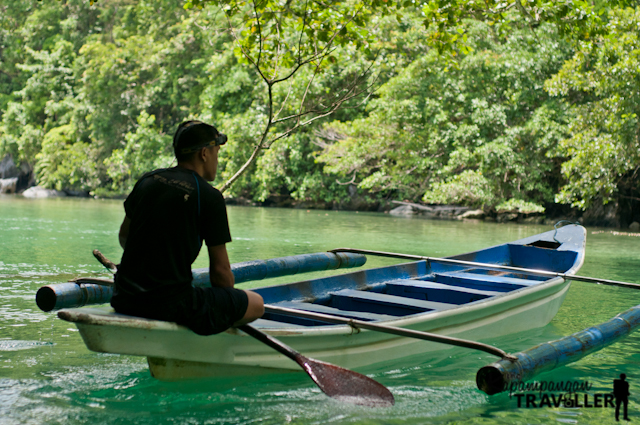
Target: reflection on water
x,y
48,376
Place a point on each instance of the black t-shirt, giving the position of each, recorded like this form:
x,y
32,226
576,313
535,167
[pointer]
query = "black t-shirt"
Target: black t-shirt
x,y
171,211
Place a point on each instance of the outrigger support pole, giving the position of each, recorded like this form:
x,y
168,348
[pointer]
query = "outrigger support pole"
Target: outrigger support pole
x,y
408,333
537,272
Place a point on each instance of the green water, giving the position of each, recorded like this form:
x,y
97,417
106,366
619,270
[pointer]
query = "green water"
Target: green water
x,y
47,376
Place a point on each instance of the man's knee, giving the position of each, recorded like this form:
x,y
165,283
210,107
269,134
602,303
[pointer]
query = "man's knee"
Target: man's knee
x,y
255,309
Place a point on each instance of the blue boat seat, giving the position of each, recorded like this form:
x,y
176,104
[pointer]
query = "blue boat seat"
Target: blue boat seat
x,y
319,308
365,301
438,292
483,281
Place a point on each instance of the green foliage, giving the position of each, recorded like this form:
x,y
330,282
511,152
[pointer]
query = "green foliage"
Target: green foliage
x,y
602,81
278,37
245,130
105,70
146,149
478,134
45,94
90,95
288,168
469,187
520,206
574,19
64,163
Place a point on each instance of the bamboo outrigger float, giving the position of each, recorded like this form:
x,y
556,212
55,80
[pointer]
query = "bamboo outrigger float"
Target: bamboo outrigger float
x,y
498,376
371,316
88,291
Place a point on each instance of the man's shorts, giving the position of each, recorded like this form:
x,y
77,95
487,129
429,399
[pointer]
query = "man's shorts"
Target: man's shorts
x,y
206,311
214,310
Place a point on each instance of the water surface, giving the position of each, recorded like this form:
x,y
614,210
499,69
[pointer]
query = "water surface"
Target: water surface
x,y
47,376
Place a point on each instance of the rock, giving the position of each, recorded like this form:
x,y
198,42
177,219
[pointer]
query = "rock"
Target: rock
x,y
403,210
8,185
479,214
240,200
505,217
602,215
634,227
533,219
416,207
41,192
77,193
356,203
24,173
8,168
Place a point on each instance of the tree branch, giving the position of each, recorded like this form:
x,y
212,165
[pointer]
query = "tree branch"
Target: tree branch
x,y
330,110
244,52
255,10
242,169
528,18
278,52
349,89
352,181
304,23
284,102
318,55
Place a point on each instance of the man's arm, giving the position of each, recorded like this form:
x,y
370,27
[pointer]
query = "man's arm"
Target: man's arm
x,y
220,273
124,231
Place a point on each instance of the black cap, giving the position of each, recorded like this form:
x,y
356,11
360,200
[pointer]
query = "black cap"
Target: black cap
x,y
194,135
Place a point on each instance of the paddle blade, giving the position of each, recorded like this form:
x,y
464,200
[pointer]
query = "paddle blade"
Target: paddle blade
x,y
335,381
346,385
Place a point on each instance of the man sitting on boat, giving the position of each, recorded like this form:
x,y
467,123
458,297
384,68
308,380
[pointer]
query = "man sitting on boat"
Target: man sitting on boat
x,y
169,213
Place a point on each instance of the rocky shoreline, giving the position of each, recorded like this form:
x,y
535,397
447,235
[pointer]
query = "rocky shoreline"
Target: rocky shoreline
x,y
602,216
20,180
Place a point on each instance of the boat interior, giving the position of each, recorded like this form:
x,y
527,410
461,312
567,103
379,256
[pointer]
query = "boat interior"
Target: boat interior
x,y
419,287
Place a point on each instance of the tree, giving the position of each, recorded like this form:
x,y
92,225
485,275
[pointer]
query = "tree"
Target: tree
x,y
601,83
460,116
289,45
481,133
574,19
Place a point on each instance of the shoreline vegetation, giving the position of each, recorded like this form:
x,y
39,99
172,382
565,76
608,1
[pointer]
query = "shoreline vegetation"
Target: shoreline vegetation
x,y
395,208
520,111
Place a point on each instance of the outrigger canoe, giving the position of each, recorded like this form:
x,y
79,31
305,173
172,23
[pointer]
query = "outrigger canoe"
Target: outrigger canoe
x,y
453,299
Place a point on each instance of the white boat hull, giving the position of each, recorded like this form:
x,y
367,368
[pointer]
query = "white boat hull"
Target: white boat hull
x,y
175,352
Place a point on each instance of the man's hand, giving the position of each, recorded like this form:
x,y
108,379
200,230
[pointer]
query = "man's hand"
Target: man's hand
x,y
220,273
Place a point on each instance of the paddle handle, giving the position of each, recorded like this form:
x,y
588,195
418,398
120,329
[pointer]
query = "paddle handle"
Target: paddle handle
x,y
110,265
271,342
407,333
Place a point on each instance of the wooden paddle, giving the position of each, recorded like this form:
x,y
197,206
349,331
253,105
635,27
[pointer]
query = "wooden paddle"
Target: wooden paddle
x,y
491,266
338,383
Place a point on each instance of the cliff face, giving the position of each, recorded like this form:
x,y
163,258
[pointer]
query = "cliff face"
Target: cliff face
x,y
15,178
621,213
